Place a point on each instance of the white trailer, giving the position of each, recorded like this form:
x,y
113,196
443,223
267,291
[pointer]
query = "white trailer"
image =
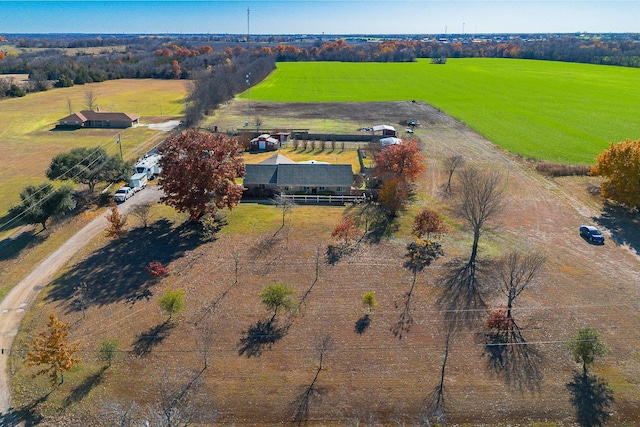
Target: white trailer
x,y
149,165
138,181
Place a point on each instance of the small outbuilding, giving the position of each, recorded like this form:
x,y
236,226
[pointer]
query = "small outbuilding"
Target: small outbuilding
x,y
264,142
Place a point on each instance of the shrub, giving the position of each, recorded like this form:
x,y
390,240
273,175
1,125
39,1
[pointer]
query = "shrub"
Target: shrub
x,y
561,169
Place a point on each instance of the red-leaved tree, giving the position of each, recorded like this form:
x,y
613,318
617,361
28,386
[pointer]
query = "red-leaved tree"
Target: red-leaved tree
x,y
199,172
156,269
427,222
404,161
345,231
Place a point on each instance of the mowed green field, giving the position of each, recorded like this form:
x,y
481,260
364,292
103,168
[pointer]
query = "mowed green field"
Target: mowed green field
x,y
561,112
28,141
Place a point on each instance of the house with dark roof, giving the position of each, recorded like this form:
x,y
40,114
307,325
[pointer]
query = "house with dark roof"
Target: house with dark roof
x,y
97,119
274,176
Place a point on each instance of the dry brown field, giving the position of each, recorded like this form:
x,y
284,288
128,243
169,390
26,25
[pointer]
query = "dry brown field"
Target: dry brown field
x,y
379,376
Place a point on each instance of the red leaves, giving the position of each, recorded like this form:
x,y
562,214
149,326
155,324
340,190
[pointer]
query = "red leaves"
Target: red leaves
x,y
426,223
499,320
404,161
345,231
156,269
199,172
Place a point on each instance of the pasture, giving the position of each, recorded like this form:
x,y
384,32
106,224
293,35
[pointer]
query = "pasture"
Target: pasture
x,y
28,140
561,112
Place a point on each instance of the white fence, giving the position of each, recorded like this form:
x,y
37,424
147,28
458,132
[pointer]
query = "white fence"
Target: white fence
x,y
316,198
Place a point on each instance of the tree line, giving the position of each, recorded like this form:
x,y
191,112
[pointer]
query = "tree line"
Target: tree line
x,y
186,57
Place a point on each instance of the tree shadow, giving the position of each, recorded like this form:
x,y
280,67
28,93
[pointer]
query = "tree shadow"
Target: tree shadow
x,y
263,334
405,319
84,388
10,248
591,397
362,324
335,253
461,299
151,338
26,416
118,271
300,406
435,408
510,357
623,224
381,228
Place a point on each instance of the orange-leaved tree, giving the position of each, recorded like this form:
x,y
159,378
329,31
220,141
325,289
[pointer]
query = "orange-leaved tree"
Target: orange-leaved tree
x,y
427,222
345,231
52,349
199,172
116,222
404,161
620,166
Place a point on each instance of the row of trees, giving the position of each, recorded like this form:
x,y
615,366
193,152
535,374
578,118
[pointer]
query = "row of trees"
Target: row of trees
x,y
185,58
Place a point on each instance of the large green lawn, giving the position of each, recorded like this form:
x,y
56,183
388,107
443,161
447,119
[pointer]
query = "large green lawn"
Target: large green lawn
x,y
562,112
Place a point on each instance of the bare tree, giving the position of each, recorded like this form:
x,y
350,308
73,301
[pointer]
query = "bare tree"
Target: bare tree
x,y
90,100
285,204
481,200
69,105
515,272
450,164
142,212
176,405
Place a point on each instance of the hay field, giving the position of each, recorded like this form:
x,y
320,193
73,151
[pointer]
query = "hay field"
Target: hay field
x,y
28,140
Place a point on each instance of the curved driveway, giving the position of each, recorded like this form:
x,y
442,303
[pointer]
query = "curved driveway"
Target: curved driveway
x,y
20,298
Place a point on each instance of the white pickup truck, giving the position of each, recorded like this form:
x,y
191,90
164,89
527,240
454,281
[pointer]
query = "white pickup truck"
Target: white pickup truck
x,y
123,194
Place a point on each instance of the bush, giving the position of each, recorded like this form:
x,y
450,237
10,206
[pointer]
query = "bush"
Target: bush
x,y
561,169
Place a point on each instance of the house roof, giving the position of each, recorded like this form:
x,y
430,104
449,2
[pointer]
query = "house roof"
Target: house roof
x,y
315,175
277,159
260,174
300,175
86,115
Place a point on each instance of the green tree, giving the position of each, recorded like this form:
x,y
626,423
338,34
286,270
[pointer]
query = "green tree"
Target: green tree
x,y
369,302
173,302
88,166
108,350
52,349
620,166
276,297
39,203
585,346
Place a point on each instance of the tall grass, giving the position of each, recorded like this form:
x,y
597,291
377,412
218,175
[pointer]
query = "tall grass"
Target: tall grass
x,y
560,112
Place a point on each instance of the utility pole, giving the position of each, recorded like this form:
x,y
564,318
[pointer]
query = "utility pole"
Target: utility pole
x,y
247,26
120,144
248,99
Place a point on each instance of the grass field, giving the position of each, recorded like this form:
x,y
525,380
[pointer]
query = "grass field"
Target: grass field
x,y
555,111
28,142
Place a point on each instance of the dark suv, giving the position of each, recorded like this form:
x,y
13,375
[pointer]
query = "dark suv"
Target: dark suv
x,y
592,234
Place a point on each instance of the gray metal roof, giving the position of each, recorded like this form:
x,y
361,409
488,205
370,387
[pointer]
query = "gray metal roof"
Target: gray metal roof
x,y
315,175
261,174
296,174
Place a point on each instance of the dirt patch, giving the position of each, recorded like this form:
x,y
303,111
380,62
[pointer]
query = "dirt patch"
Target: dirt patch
x,y
373,376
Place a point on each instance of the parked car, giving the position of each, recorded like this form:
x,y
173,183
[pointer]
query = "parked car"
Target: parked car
x,y
592,234
123,194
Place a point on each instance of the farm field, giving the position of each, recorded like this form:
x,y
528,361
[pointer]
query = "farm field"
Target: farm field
x,y
28,141
374,377
561,112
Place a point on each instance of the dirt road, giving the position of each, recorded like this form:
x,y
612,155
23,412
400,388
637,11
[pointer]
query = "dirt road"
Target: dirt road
x,y
17,302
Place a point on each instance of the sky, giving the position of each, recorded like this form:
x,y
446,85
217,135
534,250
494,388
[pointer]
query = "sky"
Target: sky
x,y
320,17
